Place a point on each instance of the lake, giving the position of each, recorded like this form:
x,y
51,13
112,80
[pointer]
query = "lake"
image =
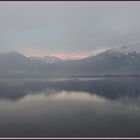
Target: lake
x,y
83,107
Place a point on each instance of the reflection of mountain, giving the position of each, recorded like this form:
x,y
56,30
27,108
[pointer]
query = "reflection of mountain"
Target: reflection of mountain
x,y
108,88
122,60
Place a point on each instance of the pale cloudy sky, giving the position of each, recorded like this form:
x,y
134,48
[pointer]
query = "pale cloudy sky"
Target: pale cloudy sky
x,y
67,29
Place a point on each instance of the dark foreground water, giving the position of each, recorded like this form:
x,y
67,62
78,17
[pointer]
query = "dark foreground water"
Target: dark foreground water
x,y
70,108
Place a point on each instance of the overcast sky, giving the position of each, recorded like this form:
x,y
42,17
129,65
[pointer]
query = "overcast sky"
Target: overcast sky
x,y
67,28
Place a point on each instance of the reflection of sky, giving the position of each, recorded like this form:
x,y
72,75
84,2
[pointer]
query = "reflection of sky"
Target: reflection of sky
x,y
98,107
52,95
68,114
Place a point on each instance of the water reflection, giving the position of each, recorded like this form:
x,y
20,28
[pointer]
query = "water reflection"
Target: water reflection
x,y
108,88
106,107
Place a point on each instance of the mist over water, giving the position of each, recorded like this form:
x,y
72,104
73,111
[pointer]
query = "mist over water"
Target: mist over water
x,y
70,108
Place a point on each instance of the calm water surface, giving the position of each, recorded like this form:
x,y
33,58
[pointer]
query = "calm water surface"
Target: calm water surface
x,y
70,108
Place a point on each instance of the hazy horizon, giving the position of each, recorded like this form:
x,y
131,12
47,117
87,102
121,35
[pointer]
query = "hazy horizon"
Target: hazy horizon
x,y
61,55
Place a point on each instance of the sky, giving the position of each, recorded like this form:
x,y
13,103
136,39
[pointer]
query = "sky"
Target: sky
x,y
67,29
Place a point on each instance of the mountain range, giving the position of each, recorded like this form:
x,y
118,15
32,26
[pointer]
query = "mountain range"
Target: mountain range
x,y
117,60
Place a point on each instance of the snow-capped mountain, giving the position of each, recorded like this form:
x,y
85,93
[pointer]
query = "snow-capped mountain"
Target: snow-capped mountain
x,y
125,49
130,51
47,59
119,60
123,59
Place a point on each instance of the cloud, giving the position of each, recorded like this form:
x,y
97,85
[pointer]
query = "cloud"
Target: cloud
x,y
67,26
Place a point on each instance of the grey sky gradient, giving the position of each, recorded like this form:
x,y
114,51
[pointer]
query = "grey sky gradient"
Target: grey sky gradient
x,y
67,26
